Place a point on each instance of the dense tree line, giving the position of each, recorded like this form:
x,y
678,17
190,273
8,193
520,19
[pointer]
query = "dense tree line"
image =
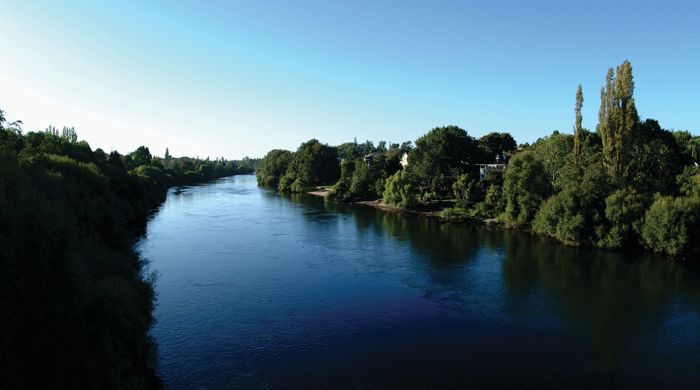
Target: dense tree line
x,y
76,304
630,183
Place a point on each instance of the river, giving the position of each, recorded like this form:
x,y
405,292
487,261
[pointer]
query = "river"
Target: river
x,y
261,290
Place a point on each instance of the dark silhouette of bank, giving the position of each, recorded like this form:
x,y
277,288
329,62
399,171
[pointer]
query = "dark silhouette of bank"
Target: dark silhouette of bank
x,y
75,299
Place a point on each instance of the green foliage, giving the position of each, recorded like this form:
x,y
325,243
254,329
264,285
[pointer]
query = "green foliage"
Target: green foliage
x,y
467,191
494,203
457,214
624,213
688,181
285,183
76,303
592,188
313,164
441,155
272,167
654,160
525,186
554,151
141,156
689,145
672,226
495,143
562,216
363,179
401,190
617,120
575,215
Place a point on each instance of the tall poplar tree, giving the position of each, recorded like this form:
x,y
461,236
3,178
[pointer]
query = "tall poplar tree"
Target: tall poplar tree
x,y
617,119
578,129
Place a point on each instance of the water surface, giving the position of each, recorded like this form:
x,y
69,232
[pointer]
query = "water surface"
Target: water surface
x,y
261,290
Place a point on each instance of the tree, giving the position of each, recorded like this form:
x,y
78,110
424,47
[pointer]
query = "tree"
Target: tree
x,y
554,152
495,143
444,151
655,159
362,183
525,186
141,156
15,126
672,226
617,119
69,134
168,157
624,213
688,181
466,191
273,166
401,190
563,217
313,164
689,145
578,128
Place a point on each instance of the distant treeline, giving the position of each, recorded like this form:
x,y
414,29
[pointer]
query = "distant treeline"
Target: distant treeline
x,y
75,303
629,184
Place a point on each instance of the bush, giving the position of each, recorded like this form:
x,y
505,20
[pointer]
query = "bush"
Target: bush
x,y
624,213
525,186
562,217
401,190
672,226
456,214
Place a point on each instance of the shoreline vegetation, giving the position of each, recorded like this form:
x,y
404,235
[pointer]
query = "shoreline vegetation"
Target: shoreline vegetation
x,y
628,185
76,301
437,214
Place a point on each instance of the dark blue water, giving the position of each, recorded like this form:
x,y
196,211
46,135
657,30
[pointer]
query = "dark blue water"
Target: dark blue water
x,y
261,290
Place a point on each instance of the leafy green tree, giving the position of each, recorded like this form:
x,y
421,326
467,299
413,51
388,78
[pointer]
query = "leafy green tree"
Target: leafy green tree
x,y
466,191
362,183
624,212
349,151
272,167
69,134
672,226
575,215
401,190
141,156
688,181
15,127
554,151
495,143
525,186
494,203
447,151
617,119
313,164
689,145
563,217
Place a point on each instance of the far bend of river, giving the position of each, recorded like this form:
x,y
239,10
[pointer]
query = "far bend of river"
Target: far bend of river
x,y
261,290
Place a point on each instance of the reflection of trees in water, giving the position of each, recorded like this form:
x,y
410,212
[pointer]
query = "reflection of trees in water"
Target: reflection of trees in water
x,y
613,299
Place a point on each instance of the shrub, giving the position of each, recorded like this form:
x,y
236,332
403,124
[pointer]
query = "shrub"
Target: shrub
x,y
525,186
671,226
401,190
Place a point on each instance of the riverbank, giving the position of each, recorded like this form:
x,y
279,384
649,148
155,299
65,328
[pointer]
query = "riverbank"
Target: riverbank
x,y
434,213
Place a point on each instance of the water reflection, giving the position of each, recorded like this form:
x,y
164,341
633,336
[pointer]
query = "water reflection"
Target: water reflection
x,y
616,304
260,289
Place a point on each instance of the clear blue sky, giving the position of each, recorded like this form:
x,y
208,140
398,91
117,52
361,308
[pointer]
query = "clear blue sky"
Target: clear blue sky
x,y
225,78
